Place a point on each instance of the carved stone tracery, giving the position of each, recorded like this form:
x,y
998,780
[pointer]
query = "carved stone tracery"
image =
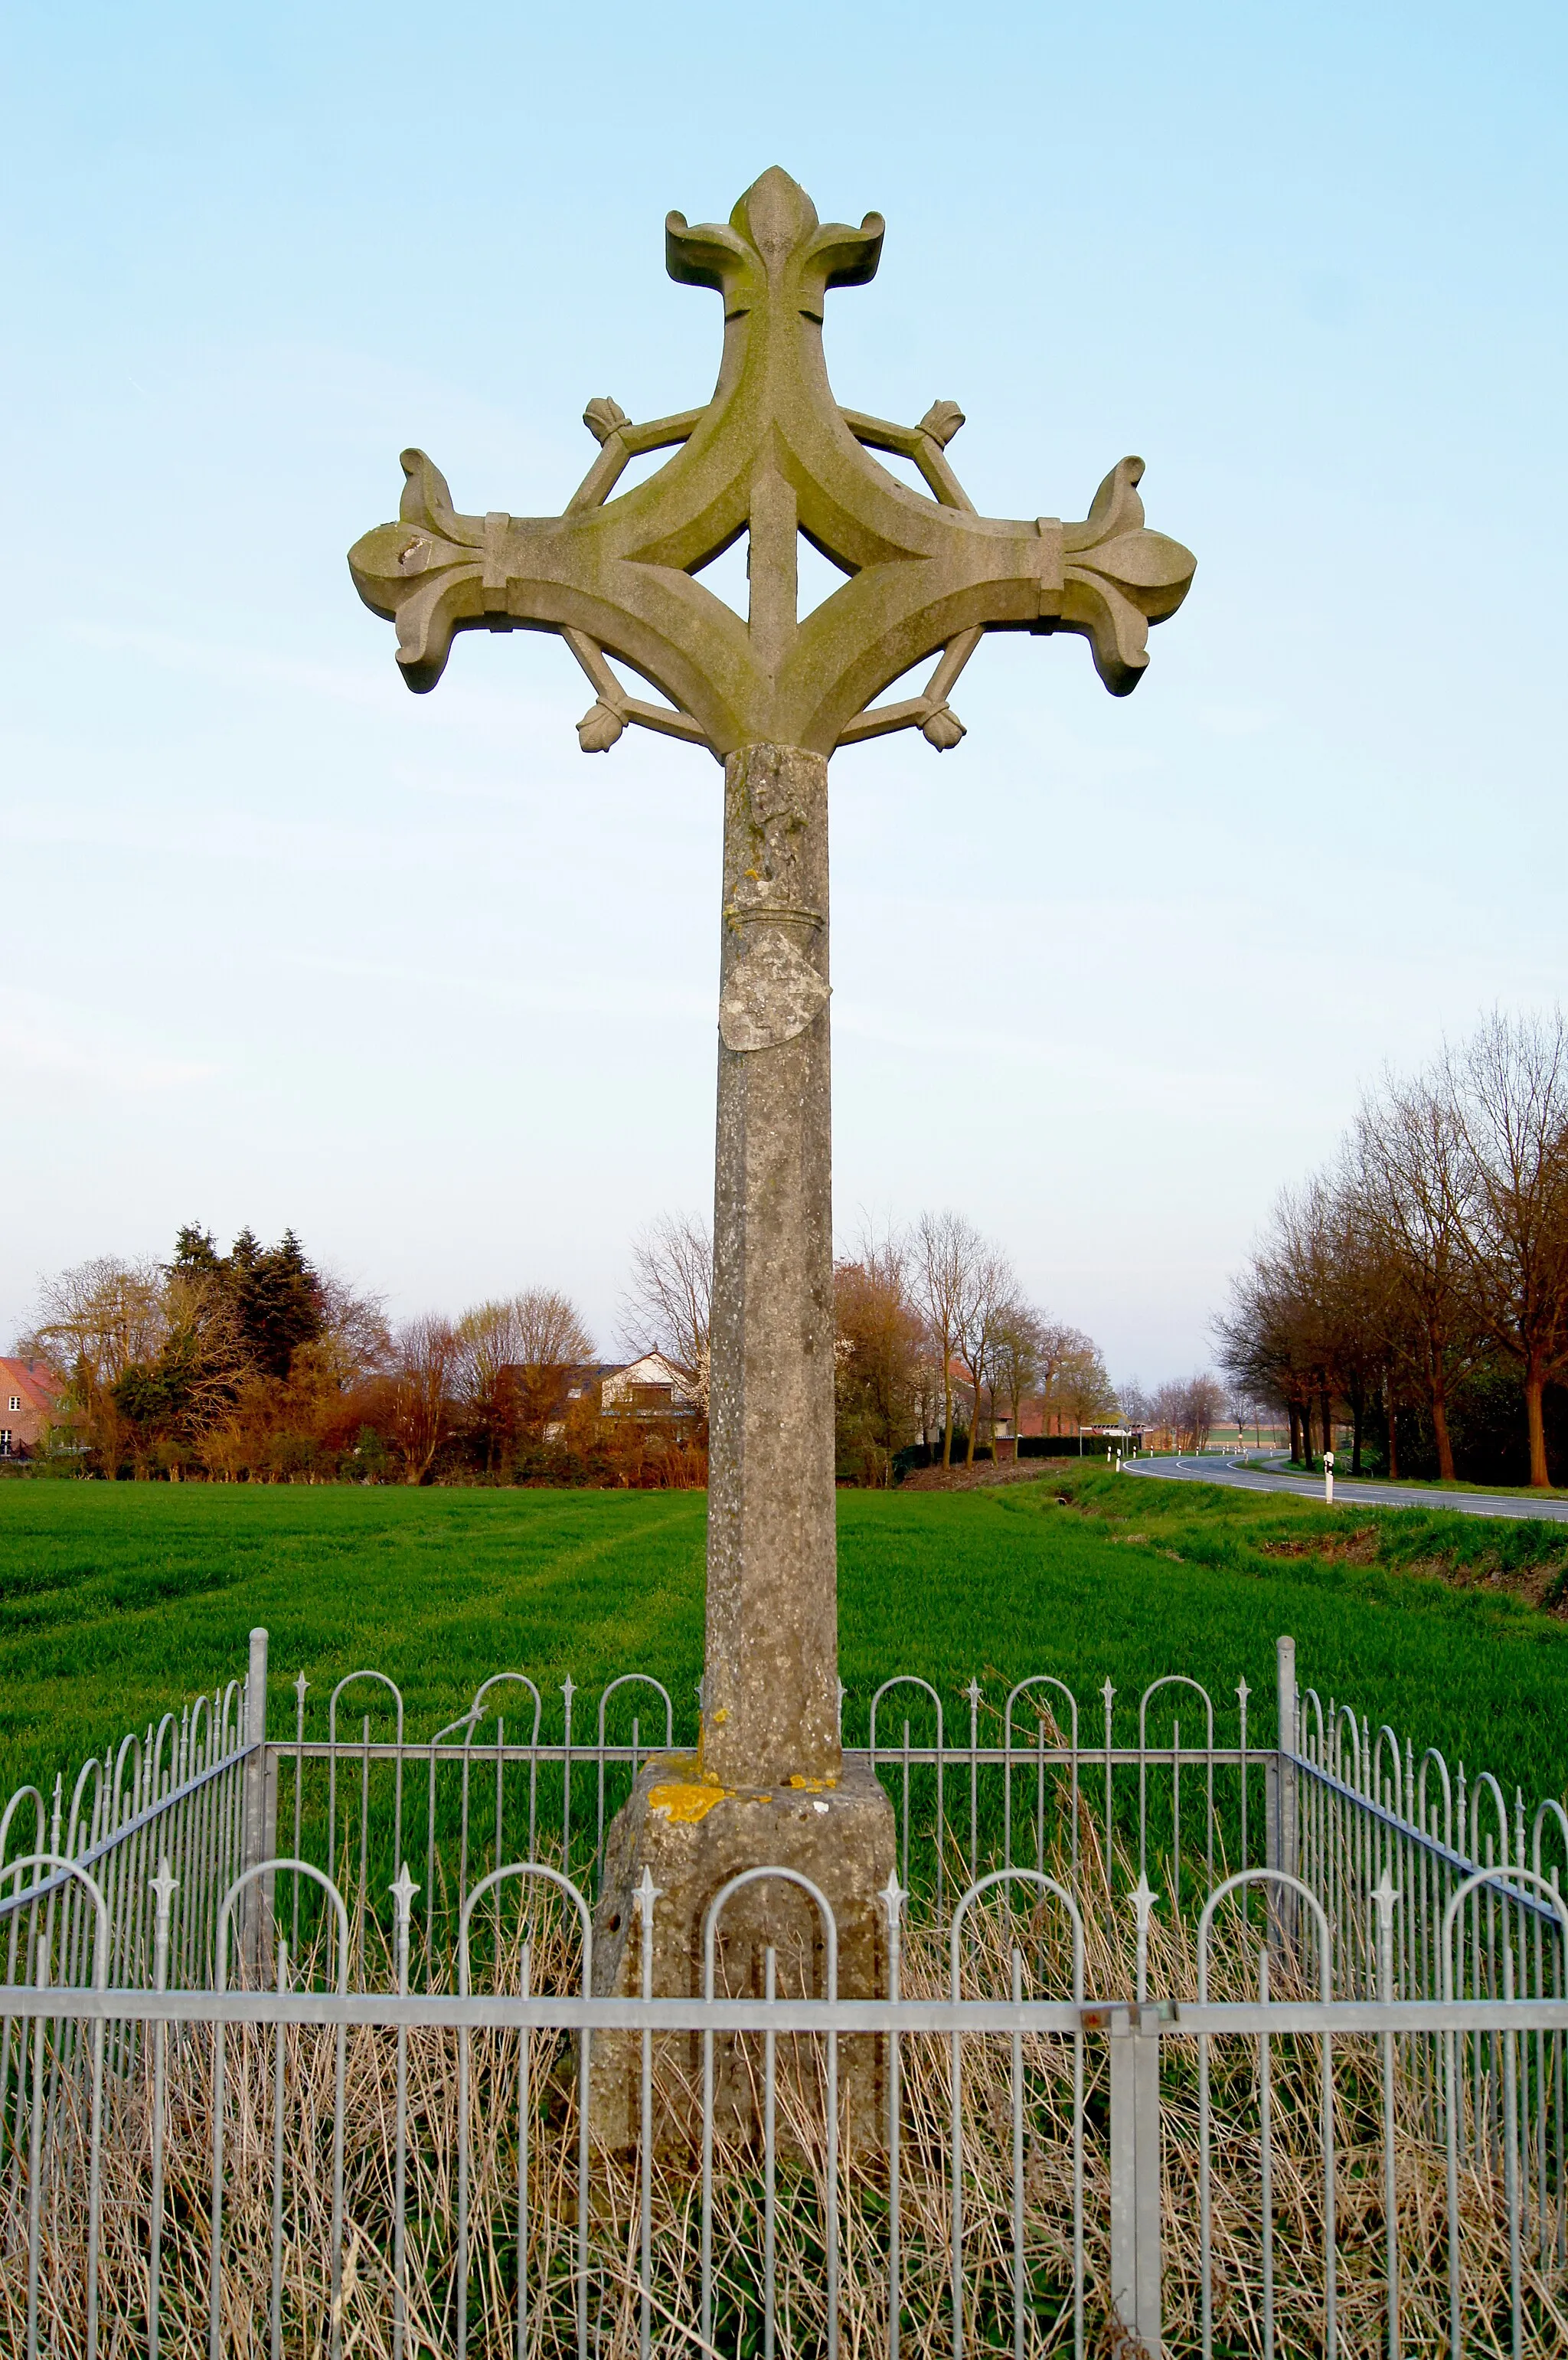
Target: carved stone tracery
x,y
771,454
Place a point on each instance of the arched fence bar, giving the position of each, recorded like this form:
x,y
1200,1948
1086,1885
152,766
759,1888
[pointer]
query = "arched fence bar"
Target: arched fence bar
x,y
1249,2043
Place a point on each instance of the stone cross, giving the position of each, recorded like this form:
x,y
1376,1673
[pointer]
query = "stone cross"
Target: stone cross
x,y
771,455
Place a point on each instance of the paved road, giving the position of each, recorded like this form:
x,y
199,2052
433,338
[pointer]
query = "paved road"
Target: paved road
x,y
1345,1493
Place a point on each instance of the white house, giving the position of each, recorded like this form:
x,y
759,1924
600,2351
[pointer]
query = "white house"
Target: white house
x,y
651,1387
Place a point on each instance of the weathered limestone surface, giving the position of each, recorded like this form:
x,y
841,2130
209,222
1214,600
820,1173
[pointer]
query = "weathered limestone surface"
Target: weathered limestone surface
x,y
693,1836
771,1694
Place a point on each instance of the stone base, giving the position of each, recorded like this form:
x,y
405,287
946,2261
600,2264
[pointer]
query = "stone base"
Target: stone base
x,y
693,1837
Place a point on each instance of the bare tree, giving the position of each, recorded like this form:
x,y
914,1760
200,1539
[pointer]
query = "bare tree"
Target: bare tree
x,y
1406,1161
1081,1388
355,1341
1260,1341
103,1317
427,1355
1509,1090
946,1251
508,1360
1205,1398
1285,1332
1433,1247
668,1298
1056,1345
1016,1356
96,1324
985,1296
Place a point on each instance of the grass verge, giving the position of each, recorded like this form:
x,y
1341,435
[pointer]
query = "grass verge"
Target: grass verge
x,y
118,1600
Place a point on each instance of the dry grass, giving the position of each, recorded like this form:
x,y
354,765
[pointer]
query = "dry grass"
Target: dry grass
x,y
1357,1547
1040,1936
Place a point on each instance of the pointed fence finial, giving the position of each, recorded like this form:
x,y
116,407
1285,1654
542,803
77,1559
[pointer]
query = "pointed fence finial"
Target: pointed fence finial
x,y
1385,1896
1144,1900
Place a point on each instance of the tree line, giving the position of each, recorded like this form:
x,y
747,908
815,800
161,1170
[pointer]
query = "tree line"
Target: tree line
x,y
937,1343
1415,1289
257,1364
1182,1413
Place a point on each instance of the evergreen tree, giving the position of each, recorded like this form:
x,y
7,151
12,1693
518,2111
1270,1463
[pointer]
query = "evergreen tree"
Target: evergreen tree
x,y
196,1249
276,1298
273,1293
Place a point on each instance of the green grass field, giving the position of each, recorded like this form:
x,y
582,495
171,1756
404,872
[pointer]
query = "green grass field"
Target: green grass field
x,y
118,1600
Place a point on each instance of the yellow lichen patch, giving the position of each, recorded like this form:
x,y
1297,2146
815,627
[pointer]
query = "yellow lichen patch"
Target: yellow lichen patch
x,y
809,1785
685,1804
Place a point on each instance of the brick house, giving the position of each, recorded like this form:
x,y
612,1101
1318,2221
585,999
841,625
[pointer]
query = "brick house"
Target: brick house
x,y
30,1390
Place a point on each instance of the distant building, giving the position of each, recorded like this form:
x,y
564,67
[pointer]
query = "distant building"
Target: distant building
x,y
29,1392
652,1387
650,1391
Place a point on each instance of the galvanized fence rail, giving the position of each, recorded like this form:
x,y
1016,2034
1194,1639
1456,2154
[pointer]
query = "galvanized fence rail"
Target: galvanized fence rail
x,y
1213,2047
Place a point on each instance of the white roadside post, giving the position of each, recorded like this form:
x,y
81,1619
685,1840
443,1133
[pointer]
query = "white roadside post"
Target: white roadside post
x,y
1328,1477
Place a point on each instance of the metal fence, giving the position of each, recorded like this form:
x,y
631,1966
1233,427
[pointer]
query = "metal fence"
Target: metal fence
x,y
1247,2045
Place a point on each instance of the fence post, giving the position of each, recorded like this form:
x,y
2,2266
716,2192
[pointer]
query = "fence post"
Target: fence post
x,y
1284,1799
1136,2261
256,1837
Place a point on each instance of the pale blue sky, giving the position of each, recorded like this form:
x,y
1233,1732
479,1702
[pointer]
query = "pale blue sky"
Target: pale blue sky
x,y
284,944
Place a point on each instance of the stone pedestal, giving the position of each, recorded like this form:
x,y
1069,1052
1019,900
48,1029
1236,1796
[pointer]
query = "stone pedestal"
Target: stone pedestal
x,y
693,1836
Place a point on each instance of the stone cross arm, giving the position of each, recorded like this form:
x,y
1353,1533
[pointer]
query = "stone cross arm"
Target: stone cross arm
x,y
774,456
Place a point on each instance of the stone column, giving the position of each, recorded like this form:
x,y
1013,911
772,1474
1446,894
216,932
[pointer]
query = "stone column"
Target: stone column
x,y
769,1785
771,1694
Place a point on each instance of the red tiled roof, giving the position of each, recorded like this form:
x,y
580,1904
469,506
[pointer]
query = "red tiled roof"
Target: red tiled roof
x,y
33,1379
